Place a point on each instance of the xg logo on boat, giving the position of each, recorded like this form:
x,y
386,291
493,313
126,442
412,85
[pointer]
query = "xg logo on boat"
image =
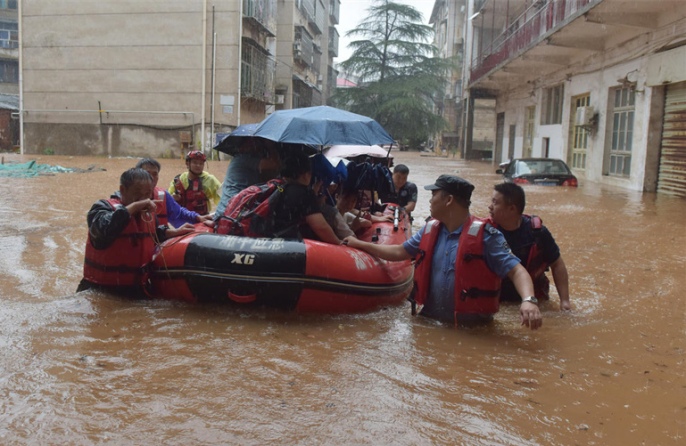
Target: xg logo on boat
x,y
243,259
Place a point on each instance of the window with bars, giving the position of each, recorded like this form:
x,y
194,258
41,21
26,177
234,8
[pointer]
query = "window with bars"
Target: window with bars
x,y
257,70
623,106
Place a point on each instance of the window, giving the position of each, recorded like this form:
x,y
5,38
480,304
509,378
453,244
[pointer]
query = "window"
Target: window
x,y
8,4
580,135
9,71
551,111
9,36
622,131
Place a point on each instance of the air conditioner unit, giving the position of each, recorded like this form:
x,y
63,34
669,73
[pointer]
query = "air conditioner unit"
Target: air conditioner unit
x,y
296,47
279,99
584,116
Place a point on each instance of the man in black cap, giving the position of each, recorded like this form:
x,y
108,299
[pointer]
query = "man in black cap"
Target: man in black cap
x,y
460,260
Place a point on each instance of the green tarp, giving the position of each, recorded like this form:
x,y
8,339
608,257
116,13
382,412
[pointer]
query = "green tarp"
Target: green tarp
x,y
30,169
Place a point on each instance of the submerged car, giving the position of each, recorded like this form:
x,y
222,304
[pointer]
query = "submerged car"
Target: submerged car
x,y
538,171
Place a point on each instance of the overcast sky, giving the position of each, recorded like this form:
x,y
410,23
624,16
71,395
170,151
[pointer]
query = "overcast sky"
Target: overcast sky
x,y
354,11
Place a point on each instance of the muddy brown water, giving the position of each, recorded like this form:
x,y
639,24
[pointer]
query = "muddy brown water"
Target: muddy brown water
x,y
89,368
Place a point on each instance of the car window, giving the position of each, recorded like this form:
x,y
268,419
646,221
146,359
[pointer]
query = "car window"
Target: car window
x,y
555,167
524,167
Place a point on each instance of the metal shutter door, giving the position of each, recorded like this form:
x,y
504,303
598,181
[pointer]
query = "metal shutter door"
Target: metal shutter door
x,y
672,173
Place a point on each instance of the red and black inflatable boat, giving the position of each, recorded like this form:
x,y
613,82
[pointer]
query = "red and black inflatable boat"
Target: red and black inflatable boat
x,y
306,276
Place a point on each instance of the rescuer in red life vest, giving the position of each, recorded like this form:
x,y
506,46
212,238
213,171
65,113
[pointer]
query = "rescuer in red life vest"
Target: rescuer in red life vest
x,y
195,189
531,242
460,260
168,210
122,232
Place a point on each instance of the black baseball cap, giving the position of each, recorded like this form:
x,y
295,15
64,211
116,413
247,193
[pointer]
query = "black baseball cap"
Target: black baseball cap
x,y
454,185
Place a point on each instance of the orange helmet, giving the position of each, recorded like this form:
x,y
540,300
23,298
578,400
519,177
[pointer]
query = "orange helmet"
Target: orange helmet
x,y
195,155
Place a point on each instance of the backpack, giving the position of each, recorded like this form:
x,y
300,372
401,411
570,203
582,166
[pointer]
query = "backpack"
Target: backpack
x,y
250,212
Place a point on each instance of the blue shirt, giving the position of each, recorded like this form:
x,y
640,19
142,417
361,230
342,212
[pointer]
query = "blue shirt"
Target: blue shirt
x,y
243,171
177,214
440,303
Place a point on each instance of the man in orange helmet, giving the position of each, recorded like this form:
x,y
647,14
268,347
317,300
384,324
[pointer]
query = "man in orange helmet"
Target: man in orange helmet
x,y
195,188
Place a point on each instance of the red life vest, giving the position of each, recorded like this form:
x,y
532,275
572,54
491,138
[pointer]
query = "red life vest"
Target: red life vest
x,y
122,263
249,213
536,264
477,288
193,198
160,198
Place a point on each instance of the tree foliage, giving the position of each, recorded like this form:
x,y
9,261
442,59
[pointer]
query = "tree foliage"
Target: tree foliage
x,y
399,73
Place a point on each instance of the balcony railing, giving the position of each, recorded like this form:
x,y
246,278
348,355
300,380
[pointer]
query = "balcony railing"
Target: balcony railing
x,y
257,72
333,42
307,8
303,46
334,11
262,12
539,20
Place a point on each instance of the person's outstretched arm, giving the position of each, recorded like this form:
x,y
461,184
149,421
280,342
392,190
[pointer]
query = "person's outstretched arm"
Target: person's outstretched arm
x,y
561,279
321,227
387,252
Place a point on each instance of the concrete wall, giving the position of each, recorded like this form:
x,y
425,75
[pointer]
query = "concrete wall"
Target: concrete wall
x,y
140,61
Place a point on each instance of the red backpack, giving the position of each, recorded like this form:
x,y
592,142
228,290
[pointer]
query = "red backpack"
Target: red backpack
x,y
250,212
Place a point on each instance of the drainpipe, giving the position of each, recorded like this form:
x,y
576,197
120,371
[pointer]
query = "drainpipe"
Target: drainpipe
x,y
204,67
237,102
21,78
214,58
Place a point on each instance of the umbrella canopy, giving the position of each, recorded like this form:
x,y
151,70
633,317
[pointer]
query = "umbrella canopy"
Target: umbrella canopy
x,y
353,151
229,143
322,126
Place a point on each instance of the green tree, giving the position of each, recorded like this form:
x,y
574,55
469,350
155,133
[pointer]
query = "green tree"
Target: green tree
x,y
398,70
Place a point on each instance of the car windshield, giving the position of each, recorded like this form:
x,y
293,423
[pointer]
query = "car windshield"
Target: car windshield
x,y
534,167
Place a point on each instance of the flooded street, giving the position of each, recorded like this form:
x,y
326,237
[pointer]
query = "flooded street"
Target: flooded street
x,y
89,368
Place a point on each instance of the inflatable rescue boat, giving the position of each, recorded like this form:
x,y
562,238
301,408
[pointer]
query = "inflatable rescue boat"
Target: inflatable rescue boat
x,y
301,275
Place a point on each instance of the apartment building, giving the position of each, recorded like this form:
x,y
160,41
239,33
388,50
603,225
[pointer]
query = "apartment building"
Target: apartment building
x,y
600,84
307,42
102,77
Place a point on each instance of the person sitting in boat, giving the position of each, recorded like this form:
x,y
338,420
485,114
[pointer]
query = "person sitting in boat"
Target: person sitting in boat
x,y
462,281
122,232
255,162
331,214
405,192
346,200
195,188
167,209
298,205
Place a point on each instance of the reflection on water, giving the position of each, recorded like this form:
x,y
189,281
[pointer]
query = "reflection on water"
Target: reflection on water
x,y
89,368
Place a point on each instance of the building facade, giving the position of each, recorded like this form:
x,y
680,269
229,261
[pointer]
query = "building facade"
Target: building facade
x,y
600,84
448,19
307,42
148,77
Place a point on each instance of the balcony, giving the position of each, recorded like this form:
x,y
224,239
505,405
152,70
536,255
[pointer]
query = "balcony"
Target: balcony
x,y
262,14
307,9
303,46
333,42
520,33
257,72
334,11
